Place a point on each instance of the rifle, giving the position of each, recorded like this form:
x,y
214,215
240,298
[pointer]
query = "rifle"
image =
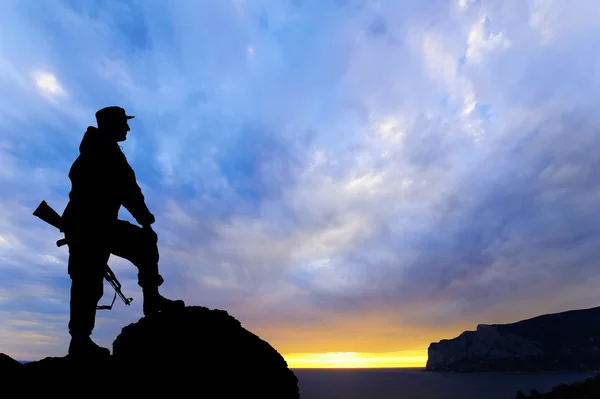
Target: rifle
x,y
50,216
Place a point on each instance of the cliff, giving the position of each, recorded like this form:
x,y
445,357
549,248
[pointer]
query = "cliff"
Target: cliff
x,y
552,342
194,351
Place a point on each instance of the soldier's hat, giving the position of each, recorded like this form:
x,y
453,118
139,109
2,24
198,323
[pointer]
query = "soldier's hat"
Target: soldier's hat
x,y
112,114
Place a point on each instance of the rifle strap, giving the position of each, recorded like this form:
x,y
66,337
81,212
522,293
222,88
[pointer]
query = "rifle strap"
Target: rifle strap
x,y
107,307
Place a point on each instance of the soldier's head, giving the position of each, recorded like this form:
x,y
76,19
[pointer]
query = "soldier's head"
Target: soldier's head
x,y
114,122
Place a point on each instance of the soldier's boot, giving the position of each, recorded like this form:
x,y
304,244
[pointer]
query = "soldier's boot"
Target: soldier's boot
x,y
154,302
82,346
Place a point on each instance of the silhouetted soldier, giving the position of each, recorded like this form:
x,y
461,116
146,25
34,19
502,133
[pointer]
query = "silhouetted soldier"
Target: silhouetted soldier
x,y
102,181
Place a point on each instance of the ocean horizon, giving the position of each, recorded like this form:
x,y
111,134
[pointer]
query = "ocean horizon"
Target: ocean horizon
x,y
416,383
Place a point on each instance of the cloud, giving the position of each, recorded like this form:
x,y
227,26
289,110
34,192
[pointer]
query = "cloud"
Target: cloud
x,y
48,84
403,164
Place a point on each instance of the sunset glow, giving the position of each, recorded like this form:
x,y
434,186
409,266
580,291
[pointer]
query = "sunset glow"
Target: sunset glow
x,y
357,360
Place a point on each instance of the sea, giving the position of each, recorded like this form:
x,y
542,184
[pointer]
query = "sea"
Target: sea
x,y
419,384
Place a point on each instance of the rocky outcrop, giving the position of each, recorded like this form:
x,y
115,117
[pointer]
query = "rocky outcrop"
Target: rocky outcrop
x,y
194,352
560,341
587,389
8,364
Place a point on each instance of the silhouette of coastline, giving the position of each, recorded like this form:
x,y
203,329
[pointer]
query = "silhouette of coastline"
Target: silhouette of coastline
x,y
565,341
194,350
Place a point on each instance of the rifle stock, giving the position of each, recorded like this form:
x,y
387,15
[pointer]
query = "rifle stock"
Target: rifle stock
x,y
50,216
47,214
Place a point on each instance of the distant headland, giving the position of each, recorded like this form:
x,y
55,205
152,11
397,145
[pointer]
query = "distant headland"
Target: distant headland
x,y
565,341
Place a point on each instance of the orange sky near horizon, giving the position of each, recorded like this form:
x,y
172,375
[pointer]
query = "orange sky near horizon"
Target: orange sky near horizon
x,y
401,359
375,341
369,342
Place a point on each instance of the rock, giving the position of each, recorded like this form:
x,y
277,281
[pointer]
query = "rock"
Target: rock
x,y
552,342
194,351
587,389
198,341
8,364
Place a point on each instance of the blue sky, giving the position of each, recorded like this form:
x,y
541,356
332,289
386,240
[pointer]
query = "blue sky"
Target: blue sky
x,y
341,176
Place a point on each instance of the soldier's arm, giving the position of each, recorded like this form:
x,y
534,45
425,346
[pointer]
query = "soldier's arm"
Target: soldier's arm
x,y
133,200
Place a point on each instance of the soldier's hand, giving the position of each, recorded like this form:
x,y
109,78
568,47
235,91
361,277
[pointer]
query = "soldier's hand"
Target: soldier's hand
x,y
150,232
151,219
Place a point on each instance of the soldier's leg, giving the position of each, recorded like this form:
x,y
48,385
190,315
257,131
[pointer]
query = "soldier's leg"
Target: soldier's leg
x,y
85,293
137,245
131,242
86,271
